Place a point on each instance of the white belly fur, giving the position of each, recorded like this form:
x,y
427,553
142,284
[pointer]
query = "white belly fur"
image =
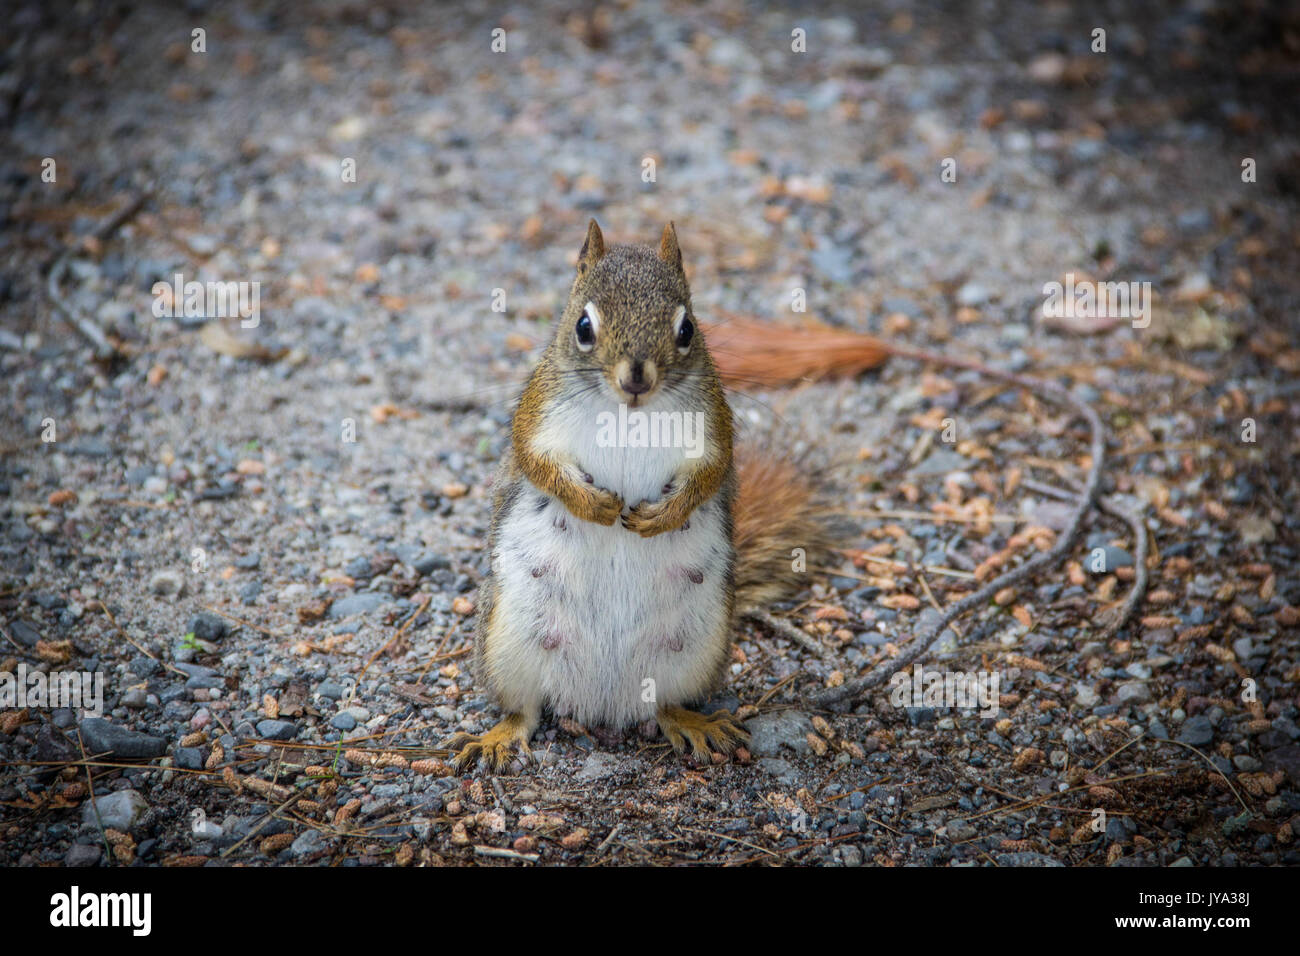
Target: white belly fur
x,y
610,609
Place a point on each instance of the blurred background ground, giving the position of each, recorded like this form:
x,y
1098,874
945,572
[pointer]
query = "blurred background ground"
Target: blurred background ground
x,y
332,608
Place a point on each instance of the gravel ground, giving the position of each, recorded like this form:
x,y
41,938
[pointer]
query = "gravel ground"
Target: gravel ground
x,y
283,617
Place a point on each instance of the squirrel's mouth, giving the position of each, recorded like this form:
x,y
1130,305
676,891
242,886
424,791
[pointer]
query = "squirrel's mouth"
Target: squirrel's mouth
x,y
634,399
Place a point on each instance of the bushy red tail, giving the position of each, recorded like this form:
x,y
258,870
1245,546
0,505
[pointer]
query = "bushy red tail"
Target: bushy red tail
x,y
753,354
782,529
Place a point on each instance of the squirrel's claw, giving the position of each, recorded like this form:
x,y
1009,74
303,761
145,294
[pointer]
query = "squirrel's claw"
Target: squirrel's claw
x,y
494,748
650,518
608,507
682,726
598,505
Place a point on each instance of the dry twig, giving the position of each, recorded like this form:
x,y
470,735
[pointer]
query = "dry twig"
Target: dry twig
x,y
84,325
922,642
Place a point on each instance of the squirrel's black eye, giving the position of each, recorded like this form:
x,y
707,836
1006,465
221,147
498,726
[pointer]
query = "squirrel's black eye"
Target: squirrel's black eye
x,y
684,333
585,332
587,327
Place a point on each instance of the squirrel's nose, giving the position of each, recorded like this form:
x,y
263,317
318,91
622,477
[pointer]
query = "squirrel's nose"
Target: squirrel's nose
x,y
636,383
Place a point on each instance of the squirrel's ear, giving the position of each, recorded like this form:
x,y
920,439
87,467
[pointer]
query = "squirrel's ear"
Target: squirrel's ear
x,y
669,251
593,247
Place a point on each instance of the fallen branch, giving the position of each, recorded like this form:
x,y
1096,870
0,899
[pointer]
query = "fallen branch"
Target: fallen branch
x,y
505,853
84,325
923,641
1140,542
780,628
396,637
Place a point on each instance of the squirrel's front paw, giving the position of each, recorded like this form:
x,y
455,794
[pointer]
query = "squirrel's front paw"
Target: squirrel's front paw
x,y
650,518
597,504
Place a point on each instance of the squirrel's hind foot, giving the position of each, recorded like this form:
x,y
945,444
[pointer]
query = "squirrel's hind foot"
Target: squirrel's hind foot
x,y
496,747
721,729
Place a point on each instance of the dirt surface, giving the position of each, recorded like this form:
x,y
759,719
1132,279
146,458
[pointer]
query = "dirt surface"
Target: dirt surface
x,y
283,617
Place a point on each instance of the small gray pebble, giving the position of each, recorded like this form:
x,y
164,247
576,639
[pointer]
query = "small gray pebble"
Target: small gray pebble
x,y
1197,731
276,729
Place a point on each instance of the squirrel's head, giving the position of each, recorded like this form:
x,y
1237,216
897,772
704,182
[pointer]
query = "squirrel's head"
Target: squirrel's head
x,y
629,318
